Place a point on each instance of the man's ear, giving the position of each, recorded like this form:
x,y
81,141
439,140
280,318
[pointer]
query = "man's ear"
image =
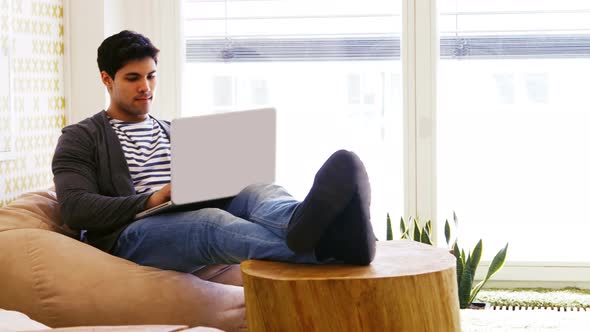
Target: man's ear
x,y
106,79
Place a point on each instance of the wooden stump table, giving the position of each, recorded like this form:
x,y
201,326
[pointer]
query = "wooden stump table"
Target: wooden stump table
x,y
408,287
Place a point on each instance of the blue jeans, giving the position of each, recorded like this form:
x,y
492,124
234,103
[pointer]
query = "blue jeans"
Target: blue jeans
x,y
252,226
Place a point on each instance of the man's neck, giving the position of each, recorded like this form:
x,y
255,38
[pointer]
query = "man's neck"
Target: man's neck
x,y
123,116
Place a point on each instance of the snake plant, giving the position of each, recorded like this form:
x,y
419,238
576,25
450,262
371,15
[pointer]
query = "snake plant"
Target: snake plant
x,y
466,263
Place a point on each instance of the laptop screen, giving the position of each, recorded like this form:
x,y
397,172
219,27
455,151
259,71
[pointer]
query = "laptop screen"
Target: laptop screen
x,y
217,155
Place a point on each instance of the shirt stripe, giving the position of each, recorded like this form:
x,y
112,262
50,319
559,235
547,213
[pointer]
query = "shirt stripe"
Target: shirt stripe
x,y
147,151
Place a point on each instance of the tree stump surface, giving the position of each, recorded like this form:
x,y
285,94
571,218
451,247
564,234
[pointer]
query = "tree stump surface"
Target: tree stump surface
x,y
408,287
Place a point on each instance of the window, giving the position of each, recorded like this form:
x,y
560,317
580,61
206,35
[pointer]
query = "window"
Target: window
x,y
330,68
512,124
510,118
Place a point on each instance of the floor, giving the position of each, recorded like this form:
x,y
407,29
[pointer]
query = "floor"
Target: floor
x,y
524,320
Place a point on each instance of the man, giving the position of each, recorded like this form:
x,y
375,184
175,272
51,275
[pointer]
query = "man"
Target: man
x,y
111,166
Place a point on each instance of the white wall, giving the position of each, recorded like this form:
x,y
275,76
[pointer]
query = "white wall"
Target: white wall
x,y
156,19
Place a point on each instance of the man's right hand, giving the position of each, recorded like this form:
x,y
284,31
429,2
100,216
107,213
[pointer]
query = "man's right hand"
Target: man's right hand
x,y
159,197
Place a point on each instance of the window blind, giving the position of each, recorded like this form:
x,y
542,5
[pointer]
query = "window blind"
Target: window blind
x,y
232,31
383,48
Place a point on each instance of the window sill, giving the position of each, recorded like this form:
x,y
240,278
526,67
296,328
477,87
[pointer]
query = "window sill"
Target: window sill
x,y
538,274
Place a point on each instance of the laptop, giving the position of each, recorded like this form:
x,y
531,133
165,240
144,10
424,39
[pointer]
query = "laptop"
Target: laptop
x,y
215,156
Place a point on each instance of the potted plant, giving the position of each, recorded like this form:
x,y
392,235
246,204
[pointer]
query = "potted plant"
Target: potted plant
x,y
466,263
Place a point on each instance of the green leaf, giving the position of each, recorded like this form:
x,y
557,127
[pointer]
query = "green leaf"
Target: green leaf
x,y
496,265
475,291
465,285
447,232
417,232
475,257
455,219
497,262
463,256
471,266
389,230
460,263
425,237
467,262
476,254
403,228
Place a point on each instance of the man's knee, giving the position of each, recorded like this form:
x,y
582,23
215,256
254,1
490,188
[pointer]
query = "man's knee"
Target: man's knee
x,y
256,188
202,215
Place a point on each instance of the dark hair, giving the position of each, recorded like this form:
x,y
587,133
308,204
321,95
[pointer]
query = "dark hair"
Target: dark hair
x,y
117,50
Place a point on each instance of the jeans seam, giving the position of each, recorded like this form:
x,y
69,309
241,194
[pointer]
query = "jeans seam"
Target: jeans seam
x,y
242,235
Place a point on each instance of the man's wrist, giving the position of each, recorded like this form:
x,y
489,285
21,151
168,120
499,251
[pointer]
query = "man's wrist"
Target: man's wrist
x,y
153,200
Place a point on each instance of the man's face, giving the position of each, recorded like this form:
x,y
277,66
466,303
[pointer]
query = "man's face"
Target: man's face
x,y
132,90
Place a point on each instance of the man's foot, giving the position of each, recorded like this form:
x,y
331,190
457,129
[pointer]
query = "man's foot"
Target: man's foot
x,y
333,188
350,239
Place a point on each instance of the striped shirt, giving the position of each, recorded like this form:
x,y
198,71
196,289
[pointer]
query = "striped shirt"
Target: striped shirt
x,y
147,151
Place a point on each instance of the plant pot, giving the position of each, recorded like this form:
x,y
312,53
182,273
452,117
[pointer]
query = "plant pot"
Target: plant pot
x,y
478,305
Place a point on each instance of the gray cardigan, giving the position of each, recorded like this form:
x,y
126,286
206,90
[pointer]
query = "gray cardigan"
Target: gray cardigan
x,y
93,183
